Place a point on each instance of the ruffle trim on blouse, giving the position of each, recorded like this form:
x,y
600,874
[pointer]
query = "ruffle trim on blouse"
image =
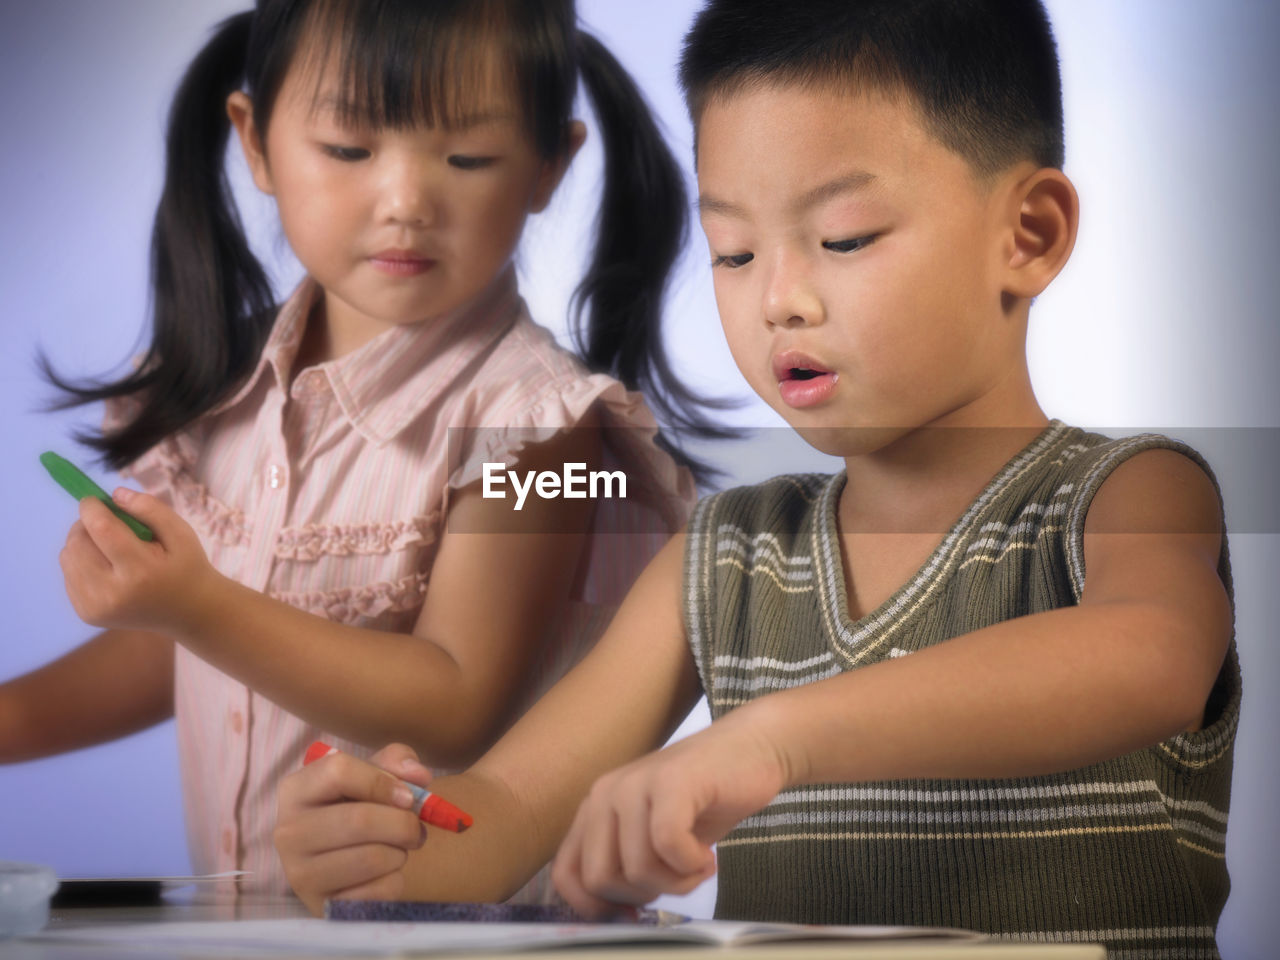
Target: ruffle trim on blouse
x,y
350,604
166,469
630,429
316,540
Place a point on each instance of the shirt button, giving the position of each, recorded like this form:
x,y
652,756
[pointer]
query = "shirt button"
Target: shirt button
x,y
275,476
228,841
237,721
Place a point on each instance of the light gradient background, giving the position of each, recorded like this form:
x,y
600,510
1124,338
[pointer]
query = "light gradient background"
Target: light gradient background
x,y
1165,318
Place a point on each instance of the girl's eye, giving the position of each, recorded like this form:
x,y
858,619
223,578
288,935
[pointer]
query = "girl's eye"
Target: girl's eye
x,y
733,261
346,154
464,162
849,246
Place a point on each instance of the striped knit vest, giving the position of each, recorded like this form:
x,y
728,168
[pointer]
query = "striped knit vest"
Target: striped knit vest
x,y
1129,853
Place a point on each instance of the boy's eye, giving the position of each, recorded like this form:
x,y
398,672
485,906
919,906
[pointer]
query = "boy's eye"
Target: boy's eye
x,y
849,246
733,261
346,154
465,162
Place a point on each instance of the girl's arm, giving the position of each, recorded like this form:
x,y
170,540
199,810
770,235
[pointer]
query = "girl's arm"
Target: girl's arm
x,y
116,684
1130,666
448,688
340,833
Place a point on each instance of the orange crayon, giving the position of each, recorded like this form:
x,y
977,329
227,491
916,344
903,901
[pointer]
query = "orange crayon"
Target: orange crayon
x,y
430,808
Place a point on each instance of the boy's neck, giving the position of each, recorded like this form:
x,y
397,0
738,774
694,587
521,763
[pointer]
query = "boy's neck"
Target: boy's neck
x,y
925,479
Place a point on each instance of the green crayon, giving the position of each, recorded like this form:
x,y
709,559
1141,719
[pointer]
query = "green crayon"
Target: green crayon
x,y
73,480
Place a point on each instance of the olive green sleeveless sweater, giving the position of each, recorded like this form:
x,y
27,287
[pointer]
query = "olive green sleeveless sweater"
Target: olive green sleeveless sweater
x,y
1129,852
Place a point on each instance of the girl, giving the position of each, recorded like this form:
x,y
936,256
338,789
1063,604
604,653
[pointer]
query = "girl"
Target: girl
x,y
326,563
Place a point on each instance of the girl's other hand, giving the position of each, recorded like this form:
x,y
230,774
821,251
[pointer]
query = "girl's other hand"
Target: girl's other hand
x,y
343,827
116,580
647,828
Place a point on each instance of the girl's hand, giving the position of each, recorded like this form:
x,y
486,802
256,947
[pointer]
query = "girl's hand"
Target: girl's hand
x,y
343,827
647,828
116,580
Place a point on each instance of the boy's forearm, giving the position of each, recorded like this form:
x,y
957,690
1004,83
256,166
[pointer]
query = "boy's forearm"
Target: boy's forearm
x,y
334,675
1030,696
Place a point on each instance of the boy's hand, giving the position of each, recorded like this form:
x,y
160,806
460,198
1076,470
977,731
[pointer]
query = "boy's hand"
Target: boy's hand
x,y
343,827
647,828
116,580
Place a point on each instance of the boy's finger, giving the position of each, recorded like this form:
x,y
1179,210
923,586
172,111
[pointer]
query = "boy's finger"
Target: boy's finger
x,y
671,831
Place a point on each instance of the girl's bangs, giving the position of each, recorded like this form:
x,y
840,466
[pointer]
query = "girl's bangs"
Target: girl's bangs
x,y
404,63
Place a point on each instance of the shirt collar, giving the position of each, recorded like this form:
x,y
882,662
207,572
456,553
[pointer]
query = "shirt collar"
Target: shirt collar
x,y
386,383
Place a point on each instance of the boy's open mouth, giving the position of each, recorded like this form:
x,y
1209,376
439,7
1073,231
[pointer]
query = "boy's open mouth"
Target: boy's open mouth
x,y
802,382
803,373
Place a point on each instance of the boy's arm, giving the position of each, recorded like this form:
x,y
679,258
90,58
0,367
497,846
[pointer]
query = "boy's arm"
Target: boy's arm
x,y
115,684
448,688
1131,665
624,699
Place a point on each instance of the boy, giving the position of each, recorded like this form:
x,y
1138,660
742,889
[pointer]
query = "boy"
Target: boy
x,y
983,678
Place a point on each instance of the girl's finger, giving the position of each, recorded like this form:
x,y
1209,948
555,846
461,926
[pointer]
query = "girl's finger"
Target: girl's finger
x,y
340,825
401,761
341,776
334,870
389,886
152,511
107,531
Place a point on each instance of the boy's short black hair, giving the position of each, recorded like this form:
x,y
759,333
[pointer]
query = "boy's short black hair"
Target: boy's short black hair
x,y
984,72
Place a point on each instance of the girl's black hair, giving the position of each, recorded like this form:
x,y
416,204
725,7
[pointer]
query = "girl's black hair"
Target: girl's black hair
x,y
405,62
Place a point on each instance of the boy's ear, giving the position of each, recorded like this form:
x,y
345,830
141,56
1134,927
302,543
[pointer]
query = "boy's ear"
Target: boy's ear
x,y
240,111
553,173
1044,215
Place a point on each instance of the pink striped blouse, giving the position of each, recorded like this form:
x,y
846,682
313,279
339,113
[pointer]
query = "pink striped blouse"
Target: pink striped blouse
x,y
328,490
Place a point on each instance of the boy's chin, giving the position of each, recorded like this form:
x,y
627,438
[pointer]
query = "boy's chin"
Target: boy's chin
x,y
851,441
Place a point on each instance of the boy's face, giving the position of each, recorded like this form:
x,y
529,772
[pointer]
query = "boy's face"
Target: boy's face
x,y
857,265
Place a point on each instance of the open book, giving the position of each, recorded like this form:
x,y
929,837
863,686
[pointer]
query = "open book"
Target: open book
x,y
485,932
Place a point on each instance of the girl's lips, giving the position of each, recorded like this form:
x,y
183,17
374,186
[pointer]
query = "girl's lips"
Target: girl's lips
x,y
802,381
399,263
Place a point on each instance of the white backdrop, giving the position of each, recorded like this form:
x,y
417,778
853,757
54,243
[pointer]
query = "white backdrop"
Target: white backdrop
x,y
1164,319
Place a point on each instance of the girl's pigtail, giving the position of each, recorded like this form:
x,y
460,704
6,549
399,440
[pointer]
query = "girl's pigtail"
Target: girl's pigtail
x,y
211,299
642,227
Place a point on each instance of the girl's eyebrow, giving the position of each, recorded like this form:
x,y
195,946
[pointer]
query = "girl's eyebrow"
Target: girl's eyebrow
x,y
337,106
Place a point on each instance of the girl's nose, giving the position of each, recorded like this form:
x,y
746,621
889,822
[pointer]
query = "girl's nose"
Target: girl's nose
x,y
408,194
789,295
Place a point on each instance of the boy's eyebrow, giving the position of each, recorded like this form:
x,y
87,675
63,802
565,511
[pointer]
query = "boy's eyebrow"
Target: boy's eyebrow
x,y
845,183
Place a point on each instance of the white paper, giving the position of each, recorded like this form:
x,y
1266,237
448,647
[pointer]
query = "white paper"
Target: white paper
x,y
329,937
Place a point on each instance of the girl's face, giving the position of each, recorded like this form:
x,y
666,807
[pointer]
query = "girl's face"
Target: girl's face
x,y
397,225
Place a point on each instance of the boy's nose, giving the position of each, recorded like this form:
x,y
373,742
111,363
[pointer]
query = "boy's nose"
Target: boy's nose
x,y
789,296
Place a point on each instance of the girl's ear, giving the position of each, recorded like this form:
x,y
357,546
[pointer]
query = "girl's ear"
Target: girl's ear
x,y
1044,214
240,110
553,173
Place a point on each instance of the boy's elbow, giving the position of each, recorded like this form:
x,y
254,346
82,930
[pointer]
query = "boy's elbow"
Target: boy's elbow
x,y
1192,658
